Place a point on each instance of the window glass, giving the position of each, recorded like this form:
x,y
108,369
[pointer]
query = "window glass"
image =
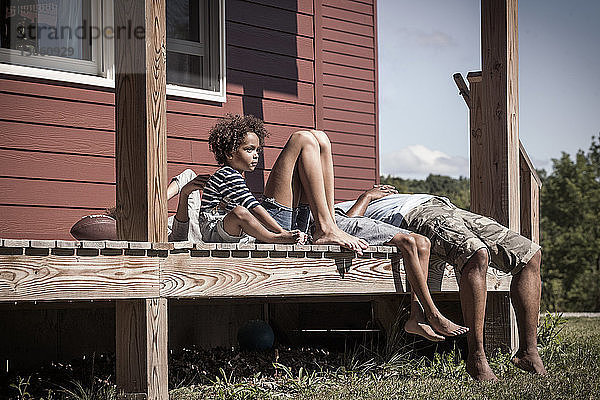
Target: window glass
x,y
185,69
193,56
182,20
59,28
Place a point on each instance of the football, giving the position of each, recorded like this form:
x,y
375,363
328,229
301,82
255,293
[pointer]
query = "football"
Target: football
x,y
95,227
256,335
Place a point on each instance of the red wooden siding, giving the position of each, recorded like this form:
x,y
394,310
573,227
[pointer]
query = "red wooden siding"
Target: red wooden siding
x,y
346,87
57,140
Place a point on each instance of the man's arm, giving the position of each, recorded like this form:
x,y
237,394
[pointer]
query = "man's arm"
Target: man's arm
x,y
361,204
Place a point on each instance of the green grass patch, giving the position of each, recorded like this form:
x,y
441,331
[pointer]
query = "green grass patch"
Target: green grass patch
x,y
570,349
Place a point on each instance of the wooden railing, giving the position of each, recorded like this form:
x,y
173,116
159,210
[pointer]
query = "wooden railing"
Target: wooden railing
x,y
486,186
530,196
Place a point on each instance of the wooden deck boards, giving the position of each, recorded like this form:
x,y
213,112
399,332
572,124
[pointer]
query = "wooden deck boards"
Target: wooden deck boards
x,y
57,270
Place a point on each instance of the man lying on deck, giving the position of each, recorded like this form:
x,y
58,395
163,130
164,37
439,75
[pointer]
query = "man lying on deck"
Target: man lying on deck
x,y
470,242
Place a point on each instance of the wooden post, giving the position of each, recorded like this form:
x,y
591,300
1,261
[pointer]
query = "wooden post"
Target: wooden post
x,y
500,323
495,186
141,171
499,110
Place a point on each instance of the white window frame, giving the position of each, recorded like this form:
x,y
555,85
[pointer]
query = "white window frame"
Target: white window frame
x,y
99,72
105,74
203,94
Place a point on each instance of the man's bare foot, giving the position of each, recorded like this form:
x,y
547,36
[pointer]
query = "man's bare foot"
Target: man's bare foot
x,y
446,327
530,362
479,369
421,328
339,237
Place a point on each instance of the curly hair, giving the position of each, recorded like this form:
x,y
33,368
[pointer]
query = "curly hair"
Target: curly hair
x,y
228,134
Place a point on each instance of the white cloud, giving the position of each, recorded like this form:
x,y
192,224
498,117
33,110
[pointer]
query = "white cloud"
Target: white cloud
x,y
418,161
434,39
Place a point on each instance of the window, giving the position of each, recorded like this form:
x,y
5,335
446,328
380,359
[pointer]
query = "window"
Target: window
x,y
56,39
72,40
195,49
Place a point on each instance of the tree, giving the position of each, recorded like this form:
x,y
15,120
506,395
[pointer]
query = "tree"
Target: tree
x,y
570,210
457,190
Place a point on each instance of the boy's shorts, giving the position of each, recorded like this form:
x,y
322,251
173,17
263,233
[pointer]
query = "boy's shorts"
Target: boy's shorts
x,y
288,218
211,228
457,234
375,233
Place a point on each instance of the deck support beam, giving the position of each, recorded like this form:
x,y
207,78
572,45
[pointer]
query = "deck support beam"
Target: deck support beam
x,y
141,176
494,138
495,191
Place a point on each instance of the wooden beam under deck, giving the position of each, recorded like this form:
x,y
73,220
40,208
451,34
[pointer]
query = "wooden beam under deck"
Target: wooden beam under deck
x,y
209,271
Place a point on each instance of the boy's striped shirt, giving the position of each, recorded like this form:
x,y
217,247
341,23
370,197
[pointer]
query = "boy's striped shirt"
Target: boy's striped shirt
x,y
227,185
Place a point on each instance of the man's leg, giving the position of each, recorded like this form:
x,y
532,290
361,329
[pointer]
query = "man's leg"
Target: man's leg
x,y
302,155
525,292
417,323
507,250
473,296
454,242
407,244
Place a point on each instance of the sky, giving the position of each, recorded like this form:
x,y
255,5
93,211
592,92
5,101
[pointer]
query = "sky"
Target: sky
x,y
424,122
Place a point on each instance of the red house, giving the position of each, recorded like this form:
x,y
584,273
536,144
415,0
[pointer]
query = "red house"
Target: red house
x,y
297,64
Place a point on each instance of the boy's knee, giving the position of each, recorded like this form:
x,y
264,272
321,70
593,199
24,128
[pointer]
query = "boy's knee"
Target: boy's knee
x,y
305,138
322,138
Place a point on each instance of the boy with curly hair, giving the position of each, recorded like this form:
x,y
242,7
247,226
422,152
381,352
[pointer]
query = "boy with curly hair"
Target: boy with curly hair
x,y
297,182
229,212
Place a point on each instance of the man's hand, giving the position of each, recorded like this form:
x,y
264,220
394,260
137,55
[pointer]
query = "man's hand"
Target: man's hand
x,y
195,184
376,192
379,191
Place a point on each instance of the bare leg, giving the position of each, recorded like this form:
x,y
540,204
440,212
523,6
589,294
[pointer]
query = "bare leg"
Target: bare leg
x,y
473,296
302,154
417,322
525,291
327,166
241,220
407,244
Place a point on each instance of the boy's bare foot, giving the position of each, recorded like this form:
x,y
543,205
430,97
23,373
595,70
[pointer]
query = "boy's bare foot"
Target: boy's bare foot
x,y
301,237
339,237
479,369
530,362
446,327
421,328
294,236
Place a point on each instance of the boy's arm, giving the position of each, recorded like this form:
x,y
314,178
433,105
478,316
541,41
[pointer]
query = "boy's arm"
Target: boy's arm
x,y
361,204
265,218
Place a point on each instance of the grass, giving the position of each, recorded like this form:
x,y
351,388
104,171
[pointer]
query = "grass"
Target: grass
x,y
570,349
